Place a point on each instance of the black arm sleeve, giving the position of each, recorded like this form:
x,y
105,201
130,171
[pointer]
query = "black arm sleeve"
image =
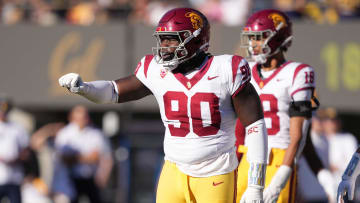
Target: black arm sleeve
x,y
300,108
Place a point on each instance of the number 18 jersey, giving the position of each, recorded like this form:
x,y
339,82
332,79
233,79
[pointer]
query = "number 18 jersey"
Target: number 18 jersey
x,y
197,111
292,81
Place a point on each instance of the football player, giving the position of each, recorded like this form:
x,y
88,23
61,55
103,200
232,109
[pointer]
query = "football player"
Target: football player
x,y
200,96
346,187
285,89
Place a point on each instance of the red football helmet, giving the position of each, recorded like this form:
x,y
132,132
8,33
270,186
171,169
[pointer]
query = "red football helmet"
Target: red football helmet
x,y
191,28
272,27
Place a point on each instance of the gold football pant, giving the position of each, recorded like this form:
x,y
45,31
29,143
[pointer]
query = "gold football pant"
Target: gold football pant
x,y
177,187
287,195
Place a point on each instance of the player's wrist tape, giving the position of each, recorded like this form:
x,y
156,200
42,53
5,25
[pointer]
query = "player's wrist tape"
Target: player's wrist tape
x,y
256,176
100,91
256,141
281,176
353,167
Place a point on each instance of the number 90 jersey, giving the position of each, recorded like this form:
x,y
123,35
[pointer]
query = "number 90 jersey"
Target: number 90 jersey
x,y
292,81
197,111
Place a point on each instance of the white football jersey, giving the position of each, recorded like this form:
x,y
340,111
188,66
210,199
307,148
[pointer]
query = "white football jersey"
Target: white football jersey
x,y
292,81
197,111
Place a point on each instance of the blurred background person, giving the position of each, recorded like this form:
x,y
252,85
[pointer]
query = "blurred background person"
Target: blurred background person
x,y
292,8
342,145
14,142
42,143
315,182
81,151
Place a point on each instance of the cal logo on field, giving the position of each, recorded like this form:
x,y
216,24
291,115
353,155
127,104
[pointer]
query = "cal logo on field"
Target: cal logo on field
x,y
277,19
196,20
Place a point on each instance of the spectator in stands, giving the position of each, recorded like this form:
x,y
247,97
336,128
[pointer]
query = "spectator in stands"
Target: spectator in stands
x,y
10,13
14,142
347,9
139,13
227,12
42,12
293,8
158,8
80,150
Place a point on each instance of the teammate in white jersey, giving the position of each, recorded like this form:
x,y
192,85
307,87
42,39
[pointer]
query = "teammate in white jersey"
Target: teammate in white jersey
x,y
200,97
285,89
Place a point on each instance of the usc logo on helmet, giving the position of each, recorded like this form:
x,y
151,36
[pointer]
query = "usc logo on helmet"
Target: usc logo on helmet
x,y
277,19
196,20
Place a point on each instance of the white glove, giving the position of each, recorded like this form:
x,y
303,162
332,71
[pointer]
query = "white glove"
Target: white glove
x,y
252,195
73,82
346,188
278,182
100,91
326,180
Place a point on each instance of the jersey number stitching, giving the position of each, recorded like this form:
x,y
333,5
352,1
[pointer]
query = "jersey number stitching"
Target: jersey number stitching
x,y
271,113
176,108
309,77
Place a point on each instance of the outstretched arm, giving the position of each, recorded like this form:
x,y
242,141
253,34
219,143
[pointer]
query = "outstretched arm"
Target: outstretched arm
x,y
249,110
130,88
121,90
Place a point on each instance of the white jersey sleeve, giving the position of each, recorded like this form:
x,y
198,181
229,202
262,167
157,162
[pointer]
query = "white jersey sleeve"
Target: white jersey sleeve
x,y
141,71
240,74
303,83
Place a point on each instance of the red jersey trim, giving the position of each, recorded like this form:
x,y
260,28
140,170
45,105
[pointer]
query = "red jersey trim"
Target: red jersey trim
x,y
137,67
185,81
240,88
301,89
148,59
298,69
235,61
257,78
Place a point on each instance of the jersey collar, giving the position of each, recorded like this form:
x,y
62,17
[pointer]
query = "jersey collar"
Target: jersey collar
x,y
261,83
189,83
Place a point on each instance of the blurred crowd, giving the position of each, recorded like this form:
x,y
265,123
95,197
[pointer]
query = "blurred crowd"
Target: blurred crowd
x,y
60,162
228,12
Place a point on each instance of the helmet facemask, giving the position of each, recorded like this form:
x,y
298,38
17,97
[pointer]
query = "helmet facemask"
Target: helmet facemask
x,y
249,39
180,54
